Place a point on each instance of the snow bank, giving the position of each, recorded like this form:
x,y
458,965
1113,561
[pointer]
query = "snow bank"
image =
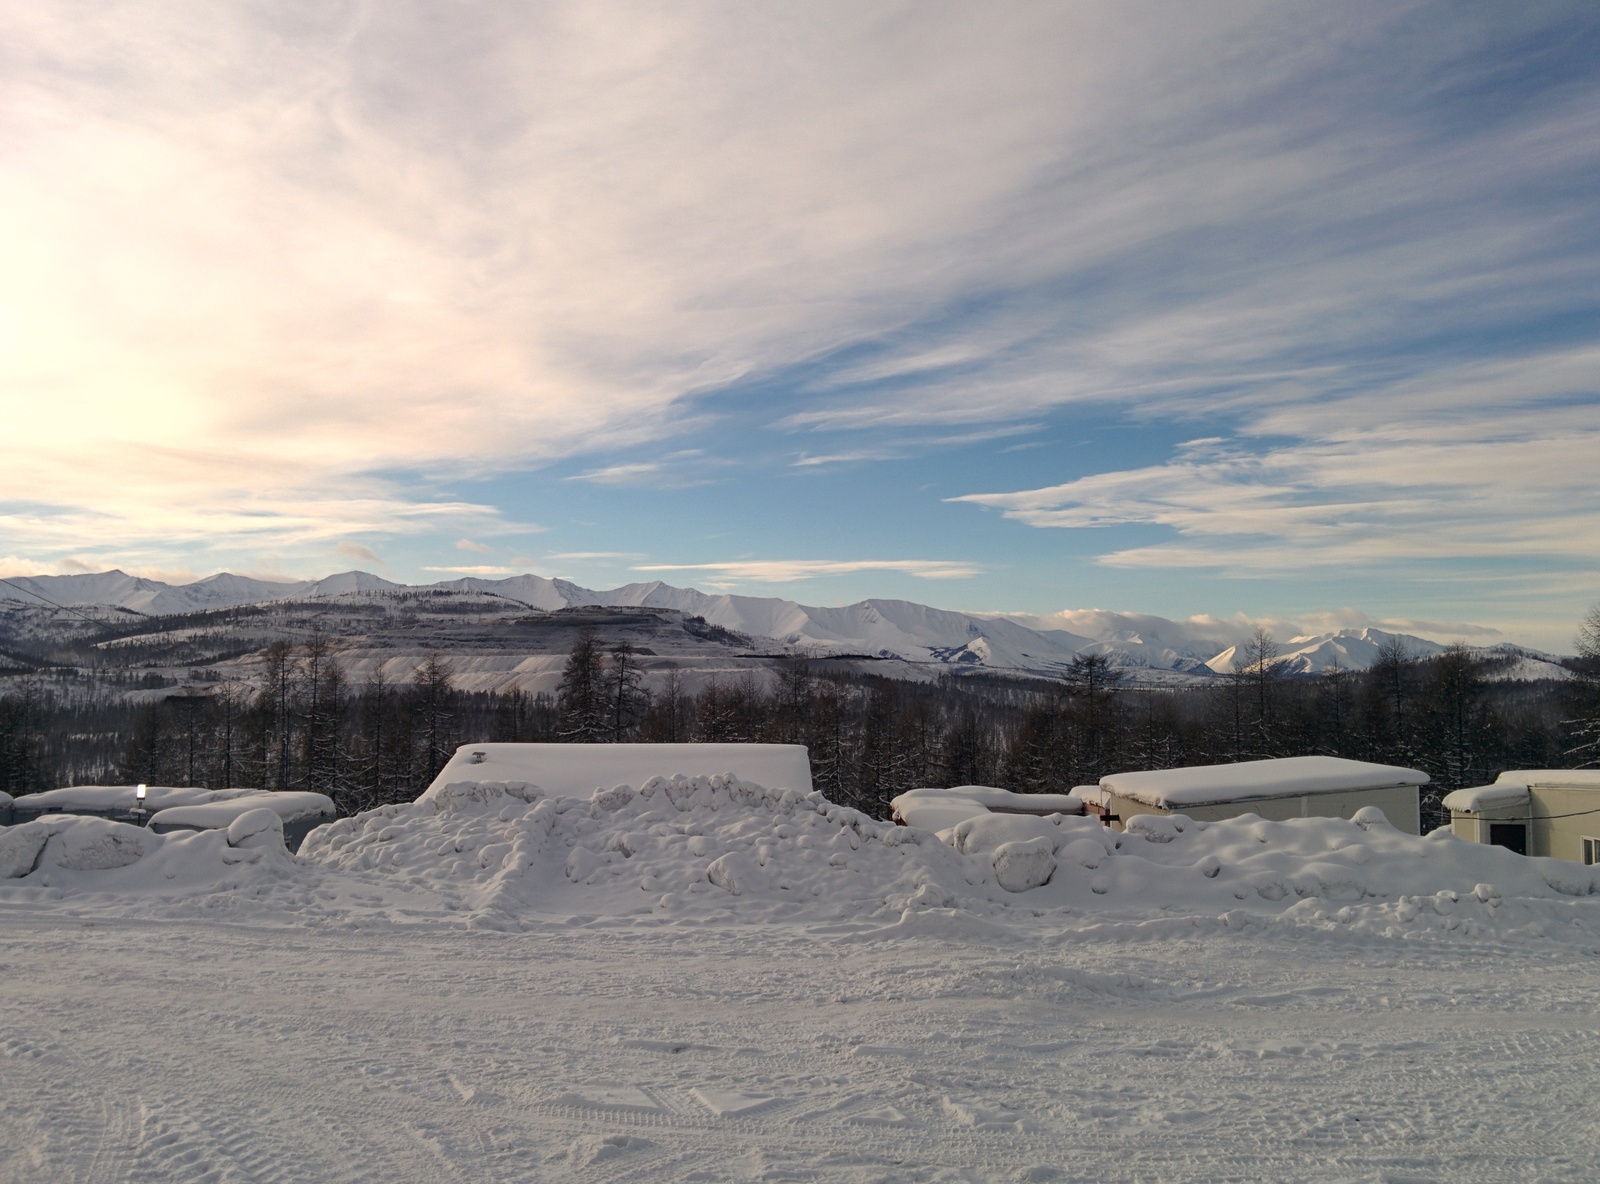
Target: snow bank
x,y
936,809
71,854
723,848
1209,784
675,846
572,769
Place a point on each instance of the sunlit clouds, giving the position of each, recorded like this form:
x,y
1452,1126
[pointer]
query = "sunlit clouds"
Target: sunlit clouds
x,y
1313,288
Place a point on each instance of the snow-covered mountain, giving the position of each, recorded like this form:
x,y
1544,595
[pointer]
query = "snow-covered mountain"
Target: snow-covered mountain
x,y
1149,646
1348,649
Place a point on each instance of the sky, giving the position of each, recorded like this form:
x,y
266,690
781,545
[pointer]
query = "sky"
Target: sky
x,y
1284,309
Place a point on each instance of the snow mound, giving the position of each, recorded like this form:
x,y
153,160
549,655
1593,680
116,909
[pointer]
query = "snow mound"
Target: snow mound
x,y
71,855
677,846
717,848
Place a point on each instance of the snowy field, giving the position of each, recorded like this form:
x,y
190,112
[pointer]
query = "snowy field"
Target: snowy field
x,y
709,981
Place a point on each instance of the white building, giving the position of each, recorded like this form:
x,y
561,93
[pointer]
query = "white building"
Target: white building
x,y
1552,812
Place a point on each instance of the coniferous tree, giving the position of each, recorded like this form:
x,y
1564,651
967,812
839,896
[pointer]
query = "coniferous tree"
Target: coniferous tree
x,y
581,695
670,717
434,715
1583,695
625,698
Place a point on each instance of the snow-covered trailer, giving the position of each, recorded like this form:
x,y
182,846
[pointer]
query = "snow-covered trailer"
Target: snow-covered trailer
x,y
1289,787
300,812
121,803
5,809
178,807
1553,812
577,770
937,809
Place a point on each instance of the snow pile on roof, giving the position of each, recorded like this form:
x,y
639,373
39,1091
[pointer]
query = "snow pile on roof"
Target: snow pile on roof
x,y
69,854
289,806
936,809
1511,788
577,769
688,849
100,799
1208,784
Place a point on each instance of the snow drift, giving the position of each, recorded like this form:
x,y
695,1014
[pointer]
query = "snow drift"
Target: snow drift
x,y
69,854
718,847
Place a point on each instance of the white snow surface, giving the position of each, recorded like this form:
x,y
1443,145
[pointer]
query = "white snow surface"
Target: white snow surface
x,y
1511,788
125,797
700,978
1204,784
288,806
936,809
576,769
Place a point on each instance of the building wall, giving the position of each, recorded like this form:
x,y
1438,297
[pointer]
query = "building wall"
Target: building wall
x,y
1548,832
1401,805
1474,828
1562,837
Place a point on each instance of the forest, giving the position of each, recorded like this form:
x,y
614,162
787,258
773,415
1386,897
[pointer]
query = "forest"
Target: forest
x,y
305,726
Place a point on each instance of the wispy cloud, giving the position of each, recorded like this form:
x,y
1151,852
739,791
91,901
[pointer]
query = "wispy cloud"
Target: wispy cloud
x,y
473,546
484,569
594,555
358,551
677,470
783,571
1476,462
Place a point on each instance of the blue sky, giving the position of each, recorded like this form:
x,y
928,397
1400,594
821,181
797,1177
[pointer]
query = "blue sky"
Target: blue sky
x,y
1284,310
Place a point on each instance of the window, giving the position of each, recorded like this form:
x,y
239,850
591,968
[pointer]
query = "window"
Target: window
x,y
1591,850
1511,835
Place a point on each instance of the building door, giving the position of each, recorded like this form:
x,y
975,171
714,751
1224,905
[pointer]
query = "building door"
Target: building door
x,y
1513,836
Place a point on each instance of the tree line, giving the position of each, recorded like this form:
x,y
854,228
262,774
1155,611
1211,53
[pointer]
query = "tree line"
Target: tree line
x,y
304,724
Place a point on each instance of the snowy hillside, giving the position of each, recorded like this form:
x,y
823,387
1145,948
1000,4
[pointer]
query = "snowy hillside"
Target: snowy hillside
x,y
1151,648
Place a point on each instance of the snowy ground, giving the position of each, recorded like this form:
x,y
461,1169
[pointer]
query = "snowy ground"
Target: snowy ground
x,y
444,1003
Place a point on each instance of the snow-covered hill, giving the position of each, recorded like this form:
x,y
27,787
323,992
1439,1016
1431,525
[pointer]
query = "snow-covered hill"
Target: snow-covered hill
x,y
1150,647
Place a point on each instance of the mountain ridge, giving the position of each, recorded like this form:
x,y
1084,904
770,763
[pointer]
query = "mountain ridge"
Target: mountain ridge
x,y
877,627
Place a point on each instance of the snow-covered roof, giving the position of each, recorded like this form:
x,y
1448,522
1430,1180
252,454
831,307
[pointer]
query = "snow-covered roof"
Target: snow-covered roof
x,y
578,769
102,798
1511,788
290,807
936,809
1286,777
1481,797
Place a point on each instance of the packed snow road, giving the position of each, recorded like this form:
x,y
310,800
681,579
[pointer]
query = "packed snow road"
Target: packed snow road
x,y
1163,1050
